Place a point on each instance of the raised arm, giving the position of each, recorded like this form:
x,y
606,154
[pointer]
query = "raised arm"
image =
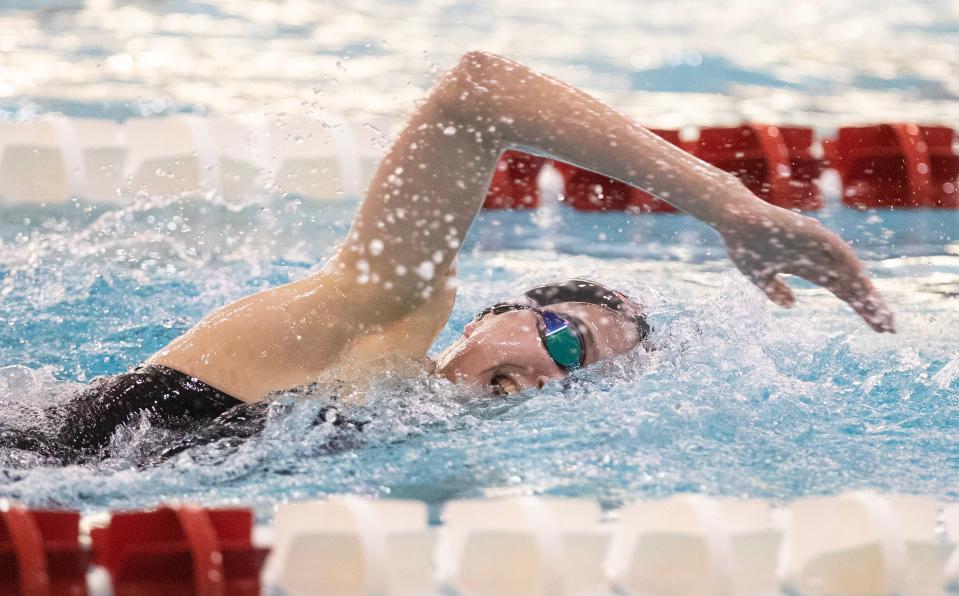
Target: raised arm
x,y
385,291
431,184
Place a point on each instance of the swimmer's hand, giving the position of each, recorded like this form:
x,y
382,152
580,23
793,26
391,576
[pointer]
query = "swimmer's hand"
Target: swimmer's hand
x,y
769,241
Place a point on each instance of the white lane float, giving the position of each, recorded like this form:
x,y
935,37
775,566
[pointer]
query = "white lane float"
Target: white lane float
x,y
851,544
950,522
692,544
40,161
100,151
53,158
864,543
169,156
522,546
348,546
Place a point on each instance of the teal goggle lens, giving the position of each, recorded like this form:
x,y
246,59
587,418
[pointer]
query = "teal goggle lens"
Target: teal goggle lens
x,y
562,342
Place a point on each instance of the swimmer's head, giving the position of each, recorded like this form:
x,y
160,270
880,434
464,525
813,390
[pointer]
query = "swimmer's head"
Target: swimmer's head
x,y
543,335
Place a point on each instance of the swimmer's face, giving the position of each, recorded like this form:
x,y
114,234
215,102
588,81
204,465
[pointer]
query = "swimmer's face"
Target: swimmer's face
x,y
504,353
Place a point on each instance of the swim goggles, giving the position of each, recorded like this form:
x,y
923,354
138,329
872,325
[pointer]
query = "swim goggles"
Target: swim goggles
x,y
589,292
562,340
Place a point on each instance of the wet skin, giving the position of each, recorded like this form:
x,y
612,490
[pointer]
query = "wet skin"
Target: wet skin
x,y
386,290
504,353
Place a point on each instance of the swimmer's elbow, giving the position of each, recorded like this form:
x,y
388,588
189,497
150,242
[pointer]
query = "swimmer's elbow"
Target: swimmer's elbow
x,y
462,94
484,71
478,61
475,69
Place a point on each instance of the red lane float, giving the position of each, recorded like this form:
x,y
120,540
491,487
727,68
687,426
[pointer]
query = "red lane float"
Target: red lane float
x,y
40,553
881,166
185,550
774,162
589,191
896,165
514,182
67,562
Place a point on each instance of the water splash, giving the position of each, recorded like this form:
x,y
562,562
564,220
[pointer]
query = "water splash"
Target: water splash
x,y
737,398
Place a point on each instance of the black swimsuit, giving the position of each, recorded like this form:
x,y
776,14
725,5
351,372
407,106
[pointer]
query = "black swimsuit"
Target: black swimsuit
x,y
168,398
87,421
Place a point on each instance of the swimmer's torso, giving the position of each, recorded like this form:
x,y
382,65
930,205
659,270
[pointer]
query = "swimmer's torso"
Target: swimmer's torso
x,y
303,332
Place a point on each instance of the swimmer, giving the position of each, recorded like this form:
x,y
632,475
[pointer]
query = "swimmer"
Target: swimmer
x,y
382,299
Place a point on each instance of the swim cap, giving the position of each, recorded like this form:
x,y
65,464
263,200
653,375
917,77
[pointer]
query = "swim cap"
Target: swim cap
x,y
590,292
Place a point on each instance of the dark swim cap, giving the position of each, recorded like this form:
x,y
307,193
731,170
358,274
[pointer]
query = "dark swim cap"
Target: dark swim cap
x,y
590,292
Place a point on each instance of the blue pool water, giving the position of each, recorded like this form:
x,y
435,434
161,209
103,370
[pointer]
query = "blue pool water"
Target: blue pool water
x,y
740,399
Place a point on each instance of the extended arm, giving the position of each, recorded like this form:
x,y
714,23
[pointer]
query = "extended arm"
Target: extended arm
x,y
431,184
385,291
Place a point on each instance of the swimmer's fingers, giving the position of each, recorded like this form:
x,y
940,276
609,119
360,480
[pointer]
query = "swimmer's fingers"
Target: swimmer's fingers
x,y
750,264
772,285
859,293
785,243
838,270
778,291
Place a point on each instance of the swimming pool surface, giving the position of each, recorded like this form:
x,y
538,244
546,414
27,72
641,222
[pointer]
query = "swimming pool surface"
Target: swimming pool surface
x,y
741,398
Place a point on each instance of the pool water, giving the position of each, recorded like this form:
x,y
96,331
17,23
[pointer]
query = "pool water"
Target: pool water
x,y
740,398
